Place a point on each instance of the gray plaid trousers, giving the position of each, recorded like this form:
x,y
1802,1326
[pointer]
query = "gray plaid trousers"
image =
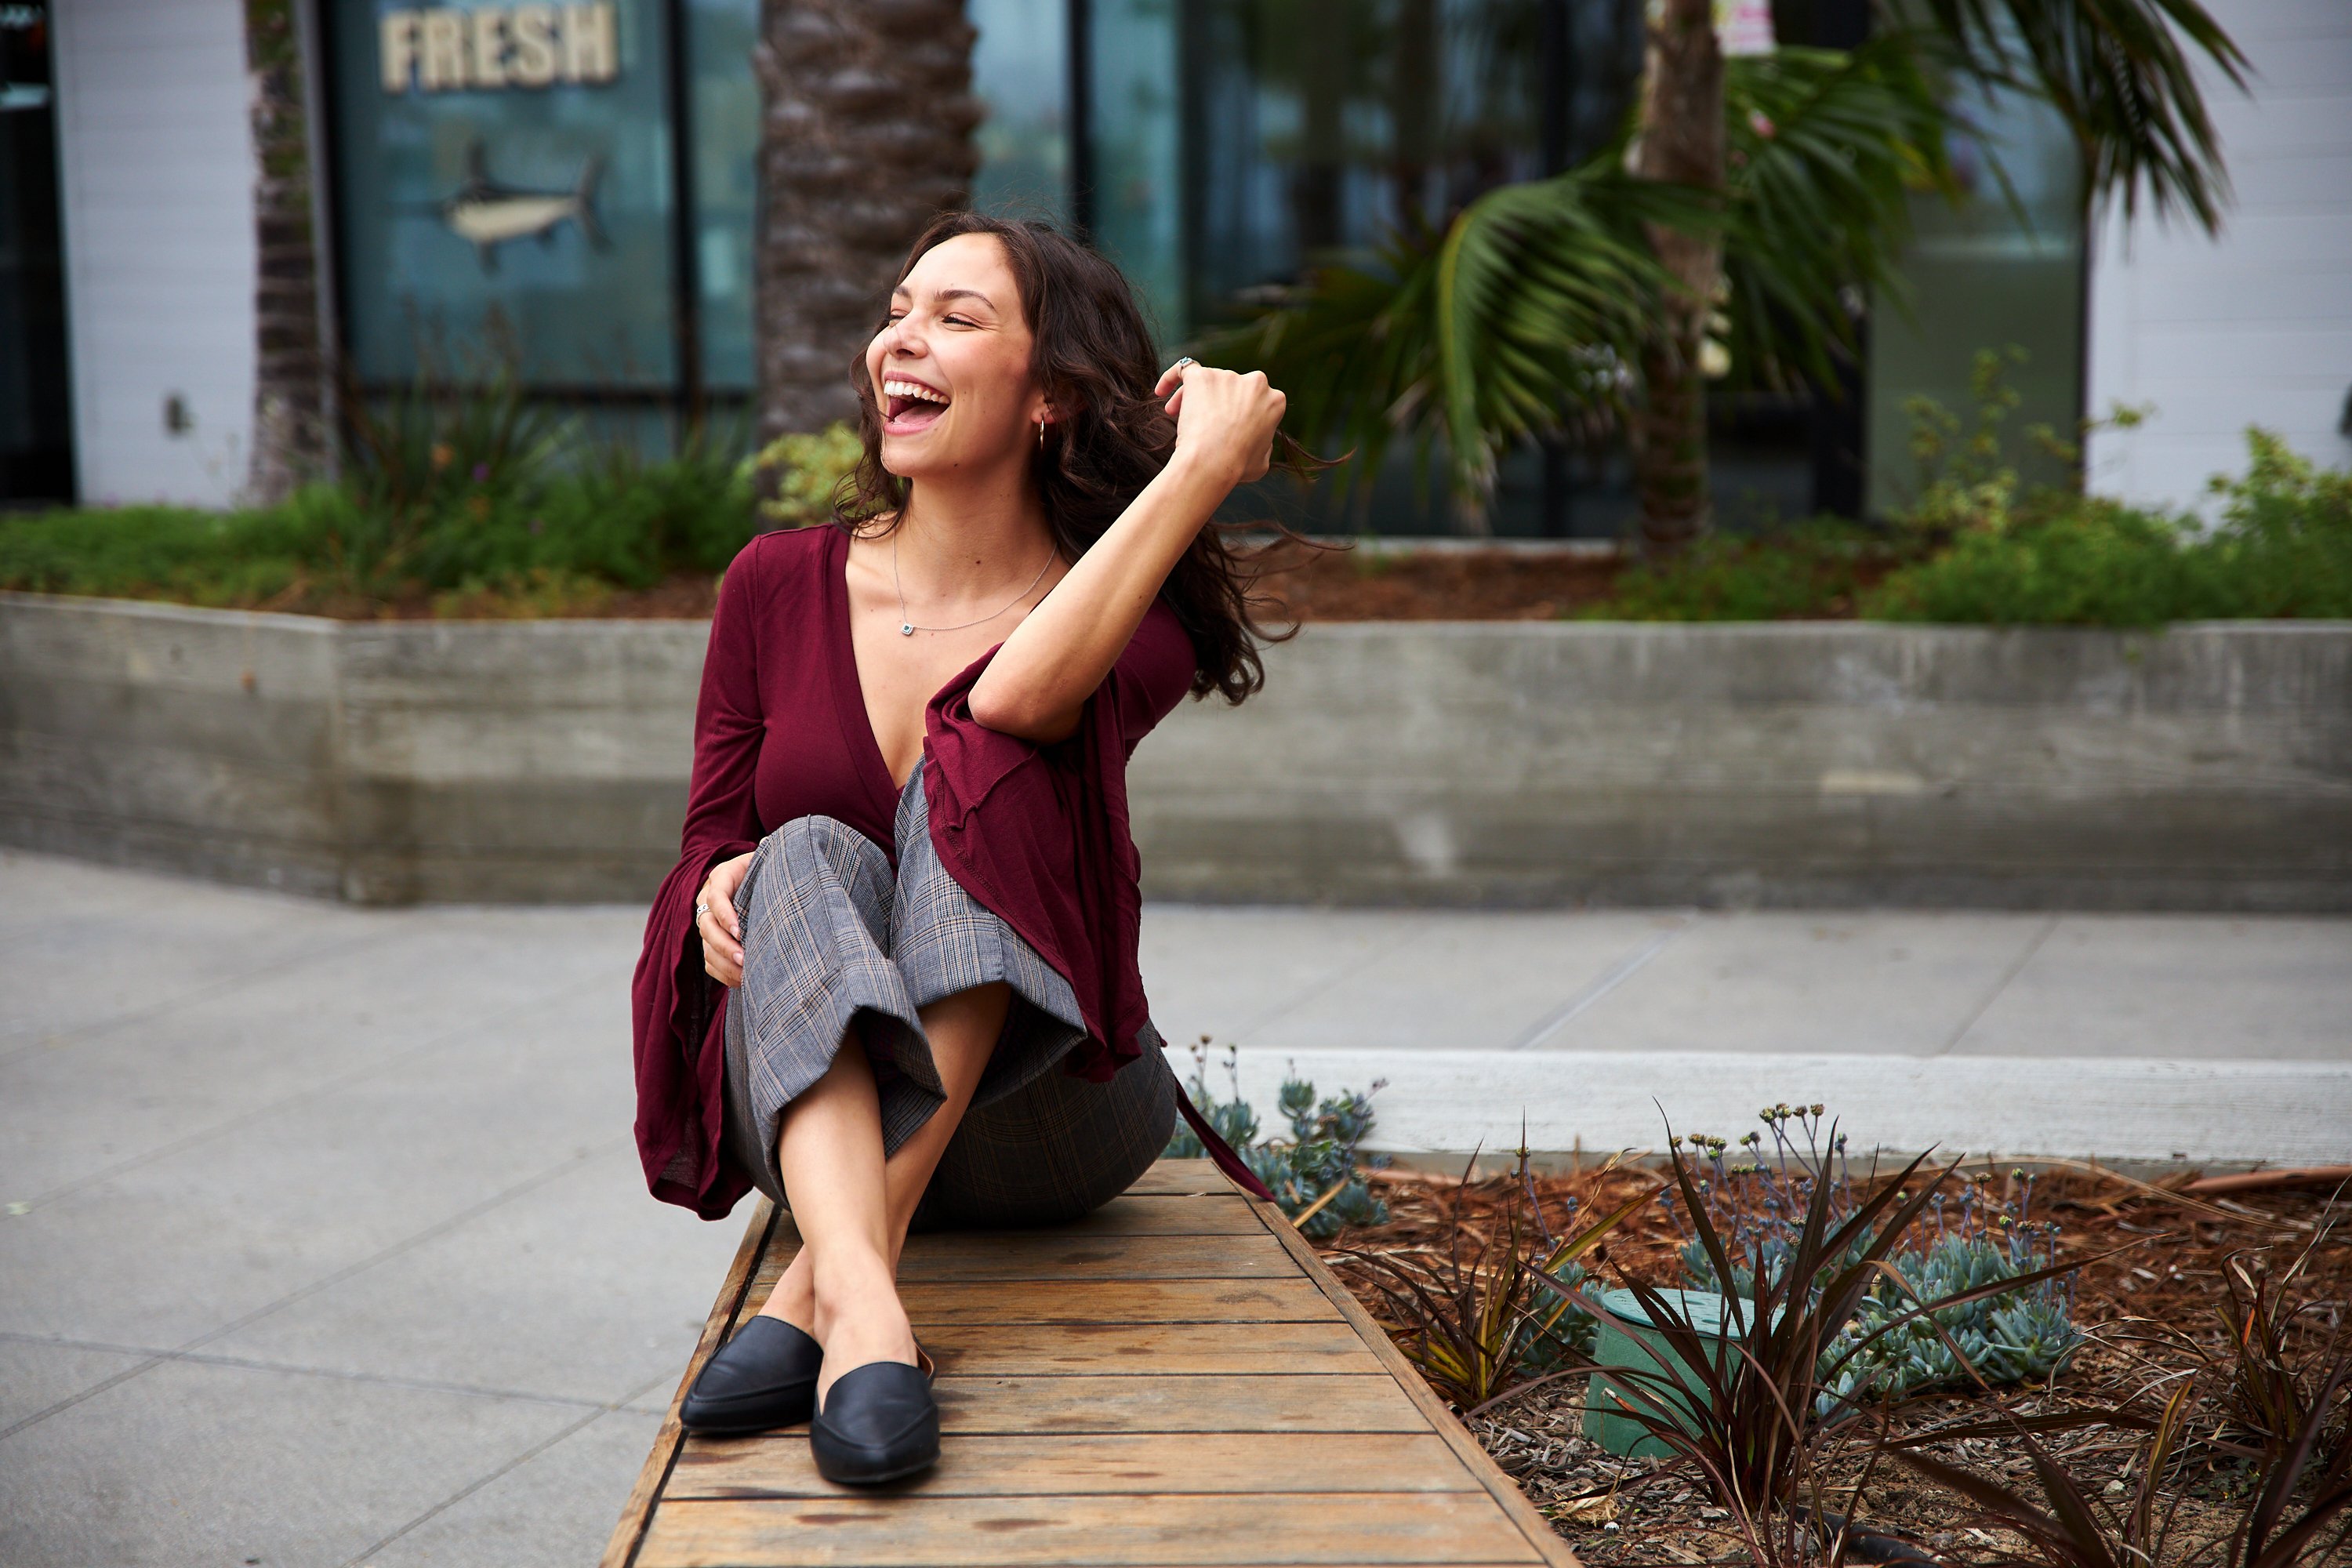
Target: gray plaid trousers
x,y
833,941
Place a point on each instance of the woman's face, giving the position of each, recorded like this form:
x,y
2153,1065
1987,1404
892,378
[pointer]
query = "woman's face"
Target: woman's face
x,y
950,366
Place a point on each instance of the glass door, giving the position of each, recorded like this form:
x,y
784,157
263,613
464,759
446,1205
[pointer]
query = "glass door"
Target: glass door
x,y
35,411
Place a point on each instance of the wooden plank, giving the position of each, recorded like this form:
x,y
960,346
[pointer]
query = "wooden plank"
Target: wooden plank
x,y
1145,1350
777,1465
921,1531
620,1551
1183,1178
1532,1525
1115,1301
1043,1256
1207,1403
1053,1255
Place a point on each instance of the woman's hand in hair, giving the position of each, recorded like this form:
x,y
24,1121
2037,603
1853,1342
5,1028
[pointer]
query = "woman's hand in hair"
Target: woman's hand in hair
x,y
1225,418
1038,683
722,939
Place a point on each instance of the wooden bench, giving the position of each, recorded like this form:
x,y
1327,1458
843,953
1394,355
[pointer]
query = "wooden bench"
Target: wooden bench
x,y
1175,1379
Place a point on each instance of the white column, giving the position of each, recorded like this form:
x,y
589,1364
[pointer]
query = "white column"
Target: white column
x,y
156,190
2254,326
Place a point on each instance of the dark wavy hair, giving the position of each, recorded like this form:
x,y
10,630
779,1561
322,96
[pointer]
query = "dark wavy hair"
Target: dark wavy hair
x,y
1094,359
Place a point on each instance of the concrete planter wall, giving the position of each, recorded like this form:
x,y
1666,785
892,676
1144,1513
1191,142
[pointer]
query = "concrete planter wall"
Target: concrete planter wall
x,y
2205,767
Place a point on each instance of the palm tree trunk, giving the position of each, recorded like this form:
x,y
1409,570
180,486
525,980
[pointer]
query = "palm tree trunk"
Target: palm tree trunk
x,y
289,410
865,126
1681,140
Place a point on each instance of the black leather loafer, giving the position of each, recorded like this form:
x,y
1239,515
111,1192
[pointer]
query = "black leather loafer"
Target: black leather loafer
x,y
763,1377
879,1423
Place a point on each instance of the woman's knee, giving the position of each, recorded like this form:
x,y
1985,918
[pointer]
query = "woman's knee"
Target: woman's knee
x,y
823,848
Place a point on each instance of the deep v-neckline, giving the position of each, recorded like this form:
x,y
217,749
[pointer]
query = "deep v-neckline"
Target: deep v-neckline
x,y
849,686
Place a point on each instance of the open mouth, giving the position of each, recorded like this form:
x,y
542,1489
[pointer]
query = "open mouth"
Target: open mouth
x,y
910,405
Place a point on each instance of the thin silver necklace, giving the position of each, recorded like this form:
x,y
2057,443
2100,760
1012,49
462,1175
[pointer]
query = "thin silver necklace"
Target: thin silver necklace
x,y
907,628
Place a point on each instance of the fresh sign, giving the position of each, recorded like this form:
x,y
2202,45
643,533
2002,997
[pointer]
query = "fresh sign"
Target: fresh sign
x,y
443,49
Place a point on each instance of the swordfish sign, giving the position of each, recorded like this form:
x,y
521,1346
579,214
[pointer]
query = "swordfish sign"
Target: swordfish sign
x,y
488,214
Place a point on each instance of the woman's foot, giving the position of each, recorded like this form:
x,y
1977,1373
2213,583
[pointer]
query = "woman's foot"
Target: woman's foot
x,y
762,1378
879,1423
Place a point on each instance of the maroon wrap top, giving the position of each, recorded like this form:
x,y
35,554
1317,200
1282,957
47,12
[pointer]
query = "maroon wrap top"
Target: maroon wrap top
x,y
1037,834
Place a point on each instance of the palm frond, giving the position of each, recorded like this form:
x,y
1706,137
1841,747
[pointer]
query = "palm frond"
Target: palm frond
x,y
1825,148
2117,73
1499,326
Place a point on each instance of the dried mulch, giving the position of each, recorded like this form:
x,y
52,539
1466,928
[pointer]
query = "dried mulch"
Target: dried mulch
x,y
2153,1263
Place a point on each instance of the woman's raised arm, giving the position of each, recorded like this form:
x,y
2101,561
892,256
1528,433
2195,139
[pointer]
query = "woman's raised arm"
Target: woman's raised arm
x,y
1038,683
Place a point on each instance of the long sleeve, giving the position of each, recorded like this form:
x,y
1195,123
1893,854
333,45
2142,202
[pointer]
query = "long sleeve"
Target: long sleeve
x,y
679,1011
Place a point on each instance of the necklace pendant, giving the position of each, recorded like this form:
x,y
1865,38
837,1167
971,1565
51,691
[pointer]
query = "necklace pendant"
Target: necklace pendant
x,y
905,631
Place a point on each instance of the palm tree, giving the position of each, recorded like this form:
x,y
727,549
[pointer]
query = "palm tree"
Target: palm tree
x,y
289,407
1746,202
865,126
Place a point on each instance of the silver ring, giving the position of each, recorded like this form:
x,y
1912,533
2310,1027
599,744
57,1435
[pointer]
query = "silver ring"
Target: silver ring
x,y
1182,362
701,907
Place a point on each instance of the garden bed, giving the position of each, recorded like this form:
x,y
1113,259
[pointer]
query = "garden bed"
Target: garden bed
x,y
2158,1272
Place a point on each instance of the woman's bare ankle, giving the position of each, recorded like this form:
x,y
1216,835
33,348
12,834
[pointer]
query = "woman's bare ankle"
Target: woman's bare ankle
x,y
859,1318
794,1298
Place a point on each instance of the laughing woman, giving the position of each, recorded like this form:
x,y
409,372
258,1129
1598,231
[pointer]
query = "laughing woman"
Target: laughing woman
x,y
892,981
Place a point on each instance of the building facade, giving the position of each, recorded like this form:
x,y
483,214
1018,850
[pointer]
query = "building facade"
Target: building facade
x,y
568,189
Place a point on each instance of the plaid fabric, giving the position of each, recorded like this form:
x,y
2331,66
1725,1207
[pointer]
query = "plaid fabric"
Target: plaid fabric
x,y
833,939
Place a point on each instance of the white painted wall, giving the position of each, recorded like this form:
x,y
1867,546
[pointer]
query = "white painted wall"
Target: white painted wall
x,y
2253,327
156,186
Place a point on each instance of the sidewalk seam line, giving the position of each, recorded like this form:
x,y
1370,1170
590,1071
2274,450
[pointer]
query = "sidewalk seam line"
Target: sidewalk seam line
x,y
2016,967
1624,969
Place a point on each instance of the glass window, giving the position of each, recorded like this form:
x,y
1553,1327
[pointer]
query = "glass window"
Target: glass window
x,y
1021,71
36,426
725,126
1985,275
1134,136
1315,127
504,186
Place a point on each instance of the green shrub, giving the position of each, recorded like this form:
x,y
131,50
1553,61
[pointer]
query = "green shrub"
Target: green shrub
x,y
2285,543
1320,1156
172,553
480,504
2094,563
1808,569
807,470
2283,547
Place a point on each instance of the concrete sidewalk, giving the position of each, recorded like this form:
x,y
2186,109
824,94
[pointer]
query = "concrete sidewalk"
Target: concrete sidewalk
x,y
323,1239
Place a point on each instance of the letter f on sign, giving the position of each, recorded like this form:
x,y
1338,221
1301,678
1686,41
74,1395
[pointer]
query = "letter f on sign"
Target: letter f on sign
x,y
397,46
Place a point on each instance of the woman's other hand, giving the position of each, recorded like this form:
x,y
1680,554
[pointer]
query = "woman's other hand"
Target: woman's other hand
x,y
1224,417
722,939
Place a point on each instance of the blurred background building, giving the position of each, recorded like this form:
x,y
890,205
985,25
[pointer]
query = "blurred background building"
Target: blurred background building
x,y
572,187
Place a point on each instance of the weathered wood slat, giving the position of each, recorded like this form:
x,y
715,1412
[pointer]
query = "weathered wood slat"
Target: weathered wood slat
x,y
1266,1402
777,1465
1145,1350
1182,1178
1041,1254
977,1532
1115,1301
